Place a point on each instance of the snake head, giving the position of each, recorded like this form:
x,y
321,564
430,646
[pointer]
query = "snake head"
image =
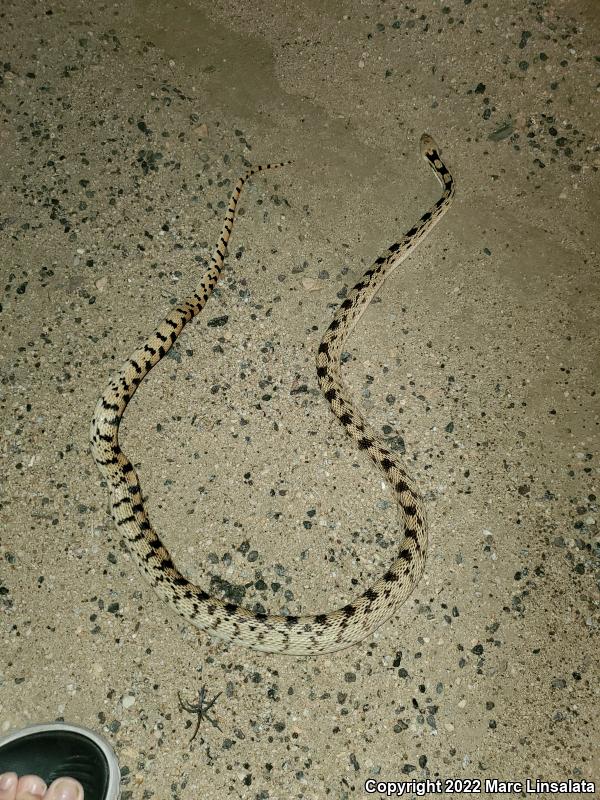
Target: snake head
x,y
428,146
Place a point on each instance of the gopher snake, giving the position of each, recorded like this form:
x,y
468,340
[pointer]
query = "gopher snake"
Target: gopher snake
x,y
306,635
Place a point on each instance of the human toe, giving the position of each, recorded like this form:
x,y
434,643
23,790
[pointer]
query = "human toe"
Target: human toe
x,y
8,785
64,789
30,787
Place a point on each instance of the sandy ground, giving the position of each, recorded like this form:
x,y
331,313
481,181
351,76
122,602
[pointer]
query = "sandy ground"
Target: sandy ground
x,y
123,130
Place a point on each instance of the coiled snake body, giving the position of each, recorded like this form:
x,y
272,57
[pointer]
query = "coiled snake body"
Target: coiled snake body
x,y
304,635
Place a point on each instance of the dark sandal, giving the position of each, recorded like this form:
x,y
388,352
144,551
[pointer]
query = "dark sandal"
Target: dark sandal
x,y
58,750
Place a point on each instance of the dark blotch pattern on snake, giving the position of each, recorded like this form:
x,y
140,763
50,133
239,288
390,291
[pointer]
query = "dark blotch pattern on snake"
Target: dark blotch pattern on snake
x,y
305,635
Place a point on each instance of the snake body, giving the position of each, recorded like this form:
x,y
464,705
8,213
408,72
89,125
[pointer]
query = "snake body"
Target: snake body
x,y
294,635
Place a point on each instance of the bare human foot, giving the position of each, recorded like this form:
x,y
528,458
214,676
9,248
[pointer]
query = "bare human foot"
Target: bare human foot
x,y
30,787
